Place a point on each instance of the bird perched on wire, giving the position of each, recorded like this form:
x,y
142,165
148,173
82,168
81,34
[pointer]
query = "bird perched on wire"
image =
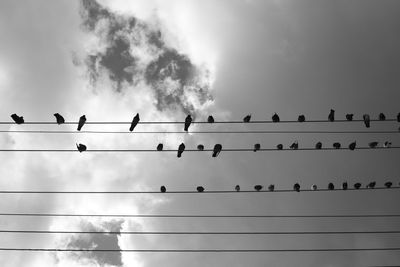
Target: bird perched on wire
x,y
349,117
382,117
371,185
387,144
331,116
17,119
256,147
210,119
352,145
301,118
258,187
200,147
318,145
294,146
160,147
366,120
188,121
81,147
271,187
59,118
331,186
134,122
217,149
336,145
275,118
344,185
388,184
247,118
81,122
314,187
200,189
163,189
237,188
279,146
296,187
373,144
181,148
357,185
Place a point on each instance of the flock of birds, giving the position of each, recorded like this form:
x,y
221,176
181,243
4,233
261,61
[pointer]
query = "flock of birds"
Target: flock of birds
x,y
296,187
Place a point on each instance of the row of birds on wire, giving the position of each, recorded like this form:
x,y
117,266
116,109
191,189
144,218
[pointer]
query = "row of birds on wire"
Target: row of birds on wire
x,y
296,187
218,147
188,120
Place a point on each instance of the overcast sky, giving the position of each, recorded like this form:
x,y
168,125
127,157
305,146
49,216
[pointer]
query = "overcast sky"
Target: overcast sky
x,y
165,59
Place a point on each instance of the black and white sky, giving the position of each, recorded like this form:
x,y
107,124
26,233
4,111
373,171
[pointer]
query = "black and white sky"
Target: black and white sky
x,y
111,59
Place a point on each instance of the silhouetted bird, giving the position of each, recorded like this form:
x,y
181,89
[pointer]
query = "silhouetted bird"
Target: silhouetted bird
x,y
331,186
256,147
210,119
247,118
279,146
373,144
296,187
349,117
81,147
200,189
271,187
344,185
294,146
301,118
382,117
17,119
398,117
318,145
371,185
336,145
387,144
275,118
160,147
81,122
388,184
331,116
163,189
352,146
181,148
200,147
314,187
188,121
237,188
134,122
258,187
357,185
217,150
59,118
366,120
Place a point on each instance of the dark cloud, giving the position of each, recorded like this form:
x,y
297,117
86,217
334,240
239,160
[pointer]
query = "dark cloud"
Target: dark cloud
x,y
170,74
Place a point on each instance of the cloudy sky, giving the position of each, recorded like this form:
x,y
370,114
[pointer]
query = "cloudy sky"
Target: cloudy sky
x,y
165,59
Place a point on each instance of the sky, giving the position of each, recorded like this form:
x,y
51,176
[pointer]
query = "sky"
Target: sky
x,y
165,59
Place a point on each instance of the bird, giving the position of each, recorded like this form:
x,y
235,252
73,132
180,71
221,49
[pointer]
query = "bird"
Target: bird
x,y
210,119
81,122
352,145
301,118
217,150
336,145
134,122
357,185
388,184
256,147
318,145
295,145
160,147
344,185
371,185
200,147
349,117
181,148
366,120
398,117
258,187
331,116
279,146
200,189
296,187
271,187
237,188
382,117
373,144
81,147
314,187
17,119
387,144
275,118
247,118
188,121
59,118
331,186
163,189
